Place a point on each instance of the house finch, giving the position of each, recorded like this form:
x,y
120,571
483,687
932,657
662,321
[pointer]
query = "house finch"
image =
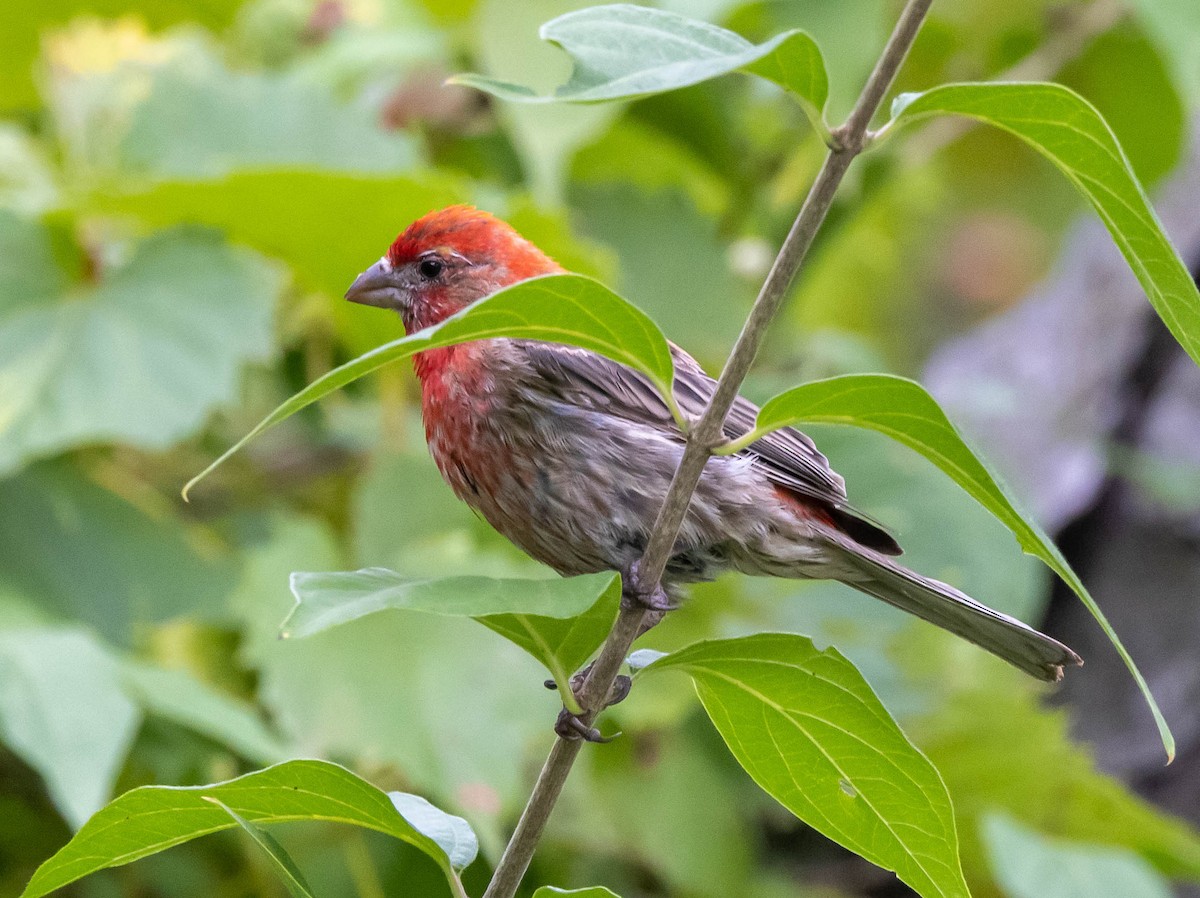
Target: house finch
x,y
569,454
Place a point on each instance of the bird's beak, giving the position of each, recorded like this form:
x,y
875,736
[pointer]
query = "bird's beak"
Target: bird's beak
x,y
374,287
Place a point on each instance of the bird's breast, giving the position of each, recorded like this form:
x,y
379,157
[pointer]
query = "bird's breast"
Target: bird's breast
x,y
461,404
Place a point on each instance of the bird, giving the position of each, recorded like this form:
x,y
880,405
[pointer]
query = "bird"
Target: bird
x,y
569,454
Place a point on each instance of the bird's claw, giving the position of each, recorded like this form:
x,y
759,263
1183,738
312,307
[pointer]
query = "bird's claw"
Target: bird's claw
x,y
570,726
617,693
634,593
573,729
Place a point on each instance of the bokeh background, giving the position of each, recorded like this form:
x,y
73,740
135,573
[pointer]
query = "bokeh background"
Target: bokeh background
x,y
187,188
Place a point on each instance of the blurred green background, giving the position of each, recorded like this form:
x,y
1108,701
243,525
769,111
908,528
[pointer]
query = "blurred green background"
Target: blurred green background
x,y
185,191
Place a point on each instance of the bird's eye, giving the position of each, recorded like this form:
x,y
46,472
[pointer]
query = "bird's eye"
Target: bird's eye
x,y
431,268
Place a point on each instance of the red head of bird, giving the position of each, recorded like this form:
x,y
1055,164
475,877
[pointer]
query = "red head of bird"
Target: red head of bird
x,y
445,261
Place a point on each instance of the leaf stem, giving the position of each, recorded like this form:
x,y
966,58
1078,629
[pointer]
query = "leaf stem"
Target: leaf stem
x,y
846,142
736,445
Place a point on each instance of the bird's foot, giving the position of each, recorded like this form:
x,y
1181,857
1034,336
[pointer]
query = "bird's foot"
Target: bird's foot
x,y
618,692
573,728
635,594
655,602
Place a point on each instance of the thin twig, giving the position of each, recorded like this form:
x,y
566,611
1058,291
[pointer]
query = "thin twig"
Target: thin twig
x,y
847,142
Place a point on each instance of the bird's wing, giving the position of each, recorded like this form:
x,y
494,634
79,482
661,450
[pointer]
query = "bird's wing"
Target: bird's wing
x,y
787,457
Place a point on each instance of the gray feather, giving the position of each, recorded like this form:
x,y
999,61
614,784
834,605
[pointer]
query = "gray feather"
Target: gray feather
x,y
943,605
787,457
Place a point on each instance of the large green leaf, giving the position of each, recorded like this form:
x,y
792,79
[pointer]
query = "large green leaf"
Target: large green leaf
x,y
1175,27
63,711
563,308
505,45
904,411
188,115
1148,114
178,696
281,861
141,357
285,213
82,552
809,730
690,292
1028,864
559,622
240,120
694,842
997,748
152,818
394,687
623,51
1068,131
27,21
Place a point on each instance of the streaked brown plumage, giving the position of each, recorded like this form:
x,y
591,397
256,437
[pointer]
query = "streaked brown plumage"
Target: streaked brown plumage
x,y
569,454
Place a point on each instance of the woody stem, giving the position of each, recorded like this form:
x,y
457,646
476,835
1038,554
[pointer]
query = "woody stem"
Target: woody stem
x,y
847,142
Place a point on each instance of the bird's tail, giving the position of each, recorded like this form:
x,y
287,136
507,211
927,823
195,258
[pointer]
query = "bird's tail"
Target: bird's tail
x,y
943,605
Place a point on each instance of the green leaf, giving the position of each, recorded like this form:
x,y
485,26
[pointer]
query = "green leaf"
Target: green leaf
x,y
178,696
624,51
691,291
171,327
248,120
558,622
394,687
1175,27
453,835
693,841
504,44
1147,114
293,879
904,411
30,183
177,110
27,21
85,553
593,892
562,308
63,711
1068,131
808,729
285,213
1028,864
1019,757
152,818
325,600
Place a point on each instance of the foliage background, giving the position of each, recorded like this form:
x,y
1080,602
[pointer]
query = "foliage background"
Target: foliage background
x,y
185,192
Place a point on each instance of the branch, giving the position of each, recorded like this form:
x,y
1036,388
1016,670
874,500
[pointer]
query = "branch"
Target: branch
x,y
847,142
